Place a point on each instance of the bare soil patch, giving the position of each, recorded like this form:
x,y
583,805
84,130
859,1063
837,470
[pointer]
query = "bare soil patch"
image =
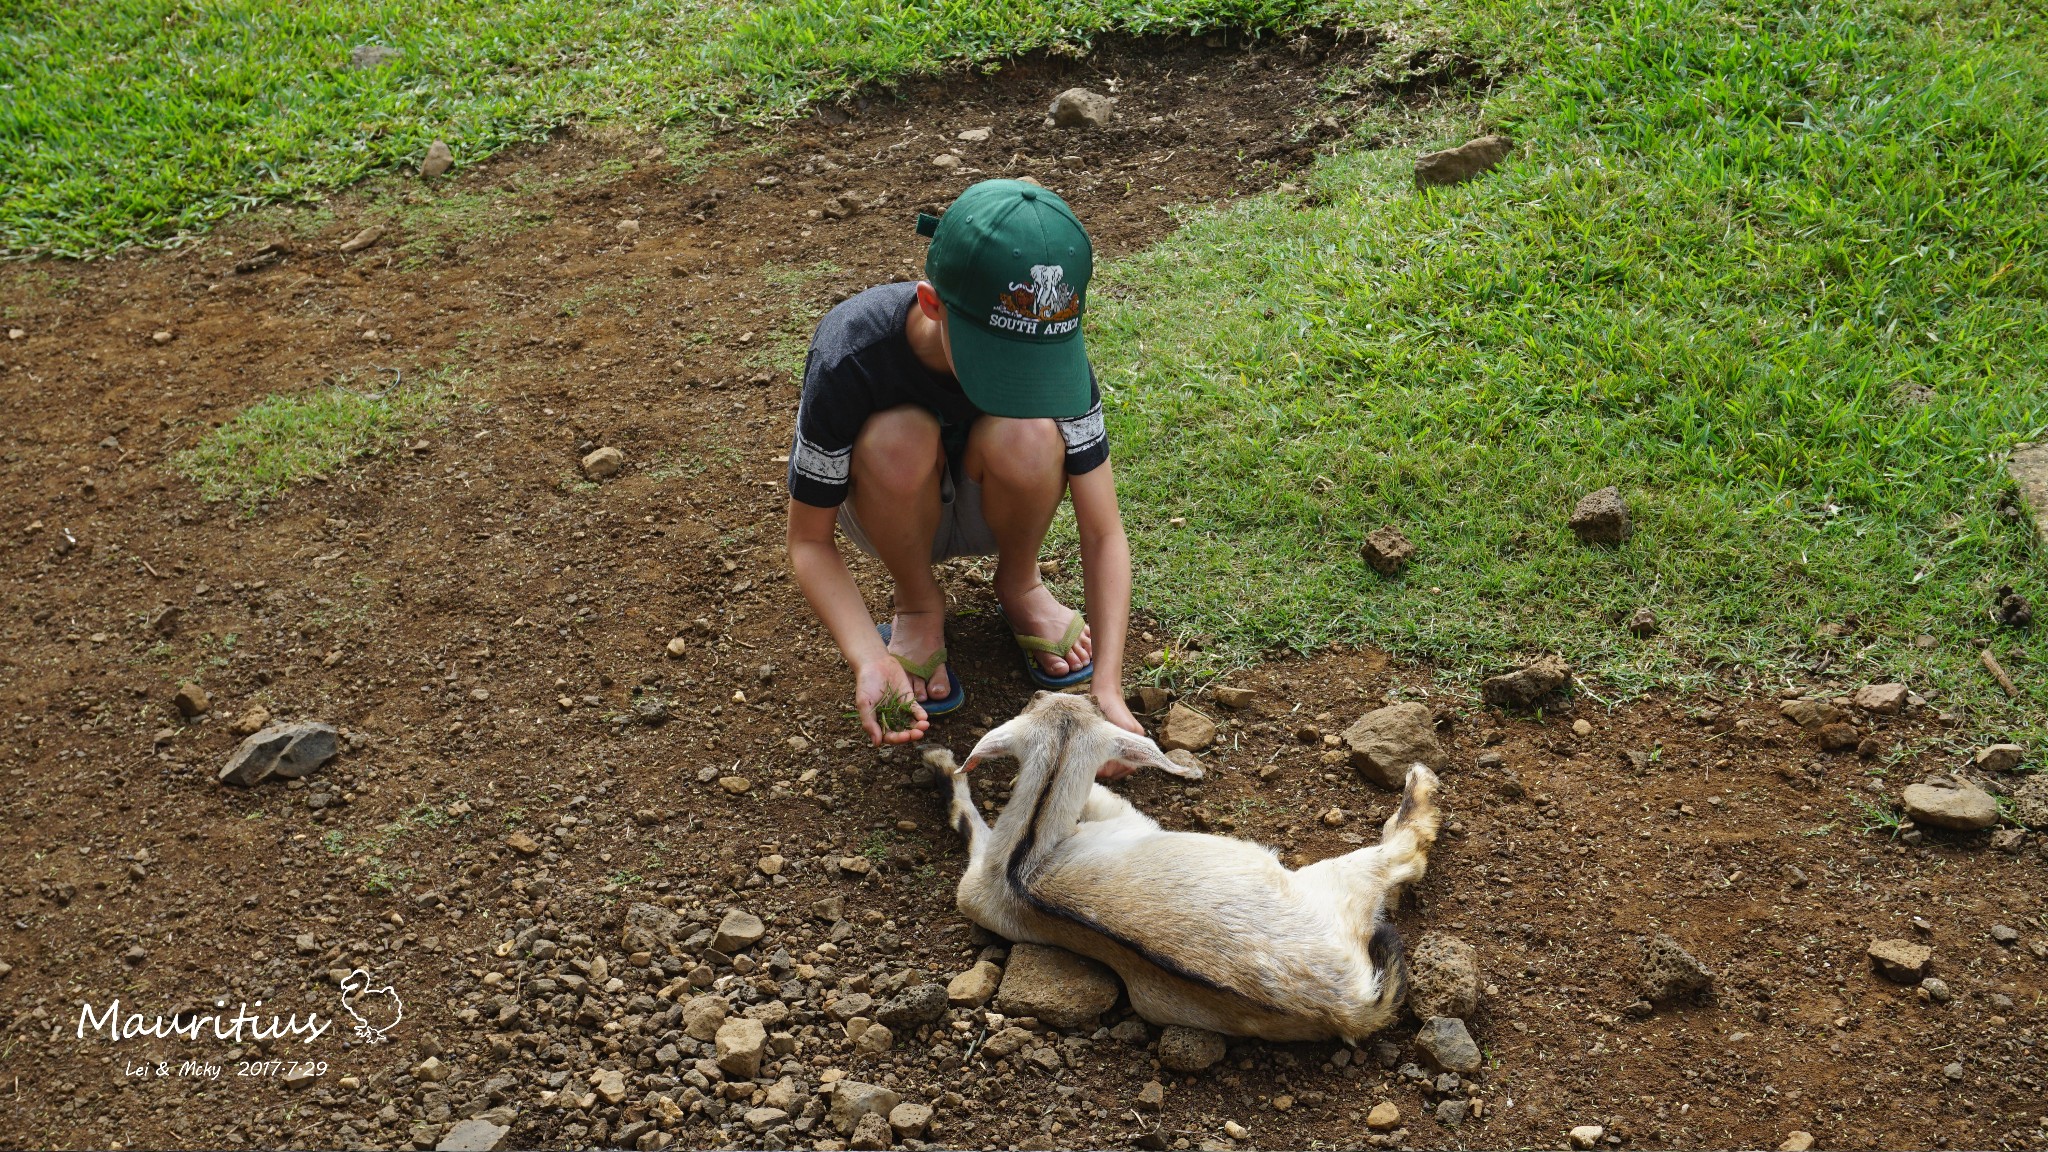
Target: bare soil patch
x,y
525,762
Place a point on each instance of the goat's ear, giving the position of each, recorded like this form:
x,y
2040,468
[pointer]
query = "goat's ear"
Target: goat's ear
x,y
1140,752
994,746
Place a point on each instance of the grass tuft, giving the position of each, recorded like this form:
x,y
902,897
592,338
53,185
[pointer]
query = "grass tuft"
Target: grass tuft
x,y
282,440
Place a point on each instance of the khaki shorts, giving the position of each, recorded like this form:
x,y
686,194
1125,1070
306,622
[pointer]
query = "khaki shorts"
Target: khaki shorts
x,y
961,531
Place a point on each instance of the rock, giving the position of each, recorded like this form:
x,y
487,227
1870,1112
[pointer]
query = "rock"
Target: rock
x,y
1670,972
521,843
1457,165
2028,467
1061,989
1387,550
1187,729
2000,757
2011,609
946,160
974,987
1446,1044
1184,1049
1080,108
1587,1135
1152,699
1187,762
1236,1131
1601,518
164,336
477,1135
1839,737
873,1040
431,1070
165,621
1235,699
677,648
251,722
1966,808
2030,801
191,700
1451,1112
2005,934
438,160
973,135
1383,743
741,1042
764,1118
852,1100
737,785
703,1014
2011,841
739,929
369,235
916,1005
1797,1142
871,1134
1883,699
1935,989
611,1086
1582,727
286,750
1151,1097
910,1120
1811,714
1443,977
1643,624
364,57
1900,961
1528,684
603,463
1384,1117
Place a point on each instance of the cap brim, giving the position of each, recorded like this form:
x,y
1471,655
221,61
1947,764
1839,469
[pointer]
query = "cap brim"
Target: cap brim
x,y
1020,379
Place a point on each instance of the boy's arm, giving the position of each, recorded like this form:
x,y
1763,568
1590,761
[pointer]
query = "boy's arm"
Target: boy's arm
x,y
1106,576
820,571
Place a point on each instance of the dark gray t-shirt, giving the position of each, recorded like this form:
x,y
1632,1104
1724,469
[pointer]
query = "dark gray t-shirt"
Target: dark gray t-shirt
x,y
861,363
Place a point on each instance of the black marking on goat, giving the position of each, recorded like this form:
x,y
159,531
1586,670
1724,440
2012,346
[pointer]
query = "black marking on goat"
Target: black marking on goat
x,y
1386,953
1014,870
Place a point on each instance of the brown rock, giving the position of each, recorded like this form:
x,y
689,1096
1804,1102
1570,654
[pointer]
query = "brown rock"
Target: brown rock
x,y
1186,728
910,1120
1151,699
1383,743
1965,808
2000,757
191,700
1601,518
702,1016
739,929
974,987
1387,550
1151,1097
1080,108
1527,685
604,462
852,1101
369,235
1901,961
1457,165
521,843
1670,972
1443,977
1183,1049
1235,699
438,160
2028,466
251,722
1839,737
1883,699
870,1134
1061,989
741,1042
1384,1117
1643,624
1811,714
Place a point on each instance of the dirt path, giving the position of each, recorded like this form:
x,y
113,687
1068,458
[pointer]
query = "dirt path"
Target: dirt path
x,y
489,630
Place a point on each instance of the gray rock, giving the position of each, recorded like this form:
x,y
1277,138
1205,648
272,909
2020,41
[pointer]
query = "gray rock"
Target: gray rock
x,y
1527,685
1452,1112
702,1016
1936,989
1457,165
473,1136
1670,972
871,1134
1184,1049
438,160
1386,741
852,1100
286,750
1061,989
648,928
1443,977
1446,1044
740,929
1602,518
1966,808
916,1005
2028,466
364,57
1080,108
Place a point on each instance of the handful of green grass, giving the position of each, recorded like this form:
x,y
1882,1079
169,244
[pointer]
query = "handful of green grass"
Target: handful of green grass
x,y
893,712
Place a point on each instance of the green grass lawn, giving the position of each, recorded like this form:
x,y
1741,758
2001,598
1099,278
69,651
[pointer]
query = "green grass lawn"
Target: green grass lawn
x,y
1779,274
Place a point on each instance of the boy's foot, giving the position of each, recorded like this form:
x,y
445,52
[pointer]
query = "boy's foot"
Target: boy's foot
x,y
1034,612
915,637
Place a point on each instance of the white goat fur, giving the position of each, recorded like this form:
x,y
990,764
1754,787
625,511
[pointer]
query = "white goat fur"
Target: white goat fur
x,y
1206,931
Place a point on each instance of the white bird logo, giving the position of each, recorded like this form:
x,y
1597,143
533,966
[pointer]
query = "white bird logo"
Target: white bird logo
x,y
377,1010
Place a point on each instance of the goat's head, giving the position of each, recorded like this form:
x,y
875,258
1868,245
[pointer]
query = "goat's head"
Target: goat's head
x,y
1072,727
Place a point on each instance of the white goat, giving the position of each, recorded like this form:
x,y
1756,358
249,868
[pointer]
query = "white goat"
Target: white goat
x,y
1206,931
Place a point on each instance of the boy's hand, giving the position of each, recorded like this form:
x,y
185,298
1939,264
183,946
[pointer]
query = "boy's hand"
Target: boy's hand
x,y
877,681
1111,701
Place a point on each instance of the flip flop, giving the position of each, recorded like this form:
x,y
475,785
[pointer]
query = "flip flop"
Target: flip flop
x,y
953,700
1059,647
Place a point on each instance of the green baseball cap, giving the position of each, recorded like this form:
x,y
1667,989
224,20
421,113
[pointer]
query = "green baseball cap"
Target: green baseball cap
x,y
1011,264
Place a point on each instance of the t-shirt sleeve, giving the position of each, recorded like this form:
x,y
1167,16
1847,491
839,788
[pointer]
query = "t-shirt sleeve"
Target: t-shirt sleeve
x,y
828,418
1087,442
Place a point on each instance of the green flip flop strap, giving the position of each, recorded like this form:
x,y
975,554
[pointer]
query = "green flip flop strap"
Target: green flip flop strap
x,y
924,670
1060,647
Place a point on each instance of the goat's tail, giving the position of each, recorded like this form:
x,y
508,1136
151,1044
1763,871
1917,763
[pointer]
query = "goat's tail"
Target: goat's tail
x,y
1390,960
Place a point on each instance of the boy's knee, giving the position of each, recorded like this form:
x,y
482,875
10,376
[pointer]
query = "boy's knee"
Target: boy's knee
x,y
1017,450
897,449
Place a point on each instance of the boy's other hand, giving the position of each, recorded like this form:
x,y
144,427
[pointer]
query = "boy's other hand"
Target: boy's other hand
x,y
875,682
1118,713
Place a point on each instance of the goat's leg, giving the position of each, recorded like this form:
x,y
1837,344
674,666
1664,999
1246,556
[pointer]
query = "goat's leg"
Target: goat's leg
x,y
1411,831
961,813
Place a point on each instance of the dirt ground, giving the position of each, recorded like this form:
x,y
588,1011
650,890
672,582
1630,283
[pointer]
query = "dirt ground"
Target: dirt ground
x,y
524,763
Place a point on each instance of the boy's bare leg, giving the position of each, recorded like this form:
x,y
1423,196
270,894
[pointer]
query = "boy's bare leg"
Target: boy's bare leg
x,y
897,461
1021,466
